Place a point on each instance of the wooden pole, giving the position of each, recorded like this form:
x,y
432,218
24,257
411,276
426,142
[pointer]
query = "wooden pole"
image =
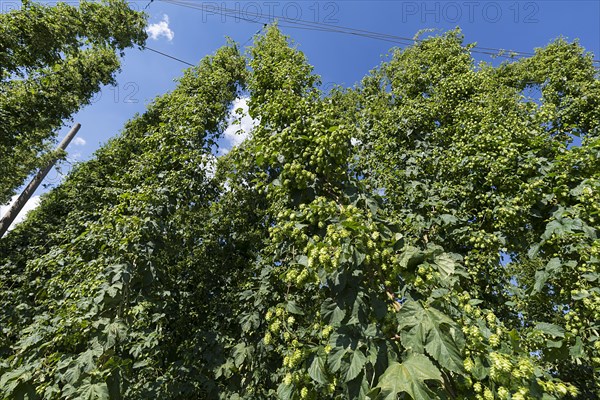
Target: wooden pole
x,y
16,208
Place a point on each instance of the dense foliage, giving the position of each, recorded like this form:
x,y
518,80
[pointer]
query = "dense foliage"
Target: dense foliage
x,y
430,233
53,59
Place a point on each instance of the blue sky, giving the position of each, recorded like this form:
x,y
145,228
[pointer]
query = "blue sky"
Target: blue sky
x,y
190,34
338,58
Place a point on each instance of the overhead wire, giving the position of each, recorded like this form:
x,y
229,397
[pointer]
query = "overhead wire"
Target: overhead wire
x,y
169,56
256,33
267,18
296,23
160,52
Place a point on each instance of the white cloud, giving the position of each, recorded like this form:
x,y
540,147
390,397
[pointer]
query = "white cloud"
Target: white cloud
x,y
30,205
79,141
236,133
155,31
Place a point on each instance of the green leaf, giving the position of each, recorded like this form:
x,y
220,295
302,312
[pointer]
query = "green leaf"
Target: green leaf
x,y
409,377
285,392
114,331
557,344
72,374
414,339
291,307
479,371
446,264
443,349
250,322
358,257
241,352
540,280
448,219
86,360
93,391
580,294
534,250
358,388
357,362
553,266
339,348
317,370
576,351
302,259
13,379
332,312
410,314
432,330
550,329
591,277
411,257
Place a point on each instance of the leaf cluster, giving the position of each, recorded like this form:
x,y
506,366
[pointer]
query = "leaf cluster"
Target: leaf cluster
x,y
354,247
